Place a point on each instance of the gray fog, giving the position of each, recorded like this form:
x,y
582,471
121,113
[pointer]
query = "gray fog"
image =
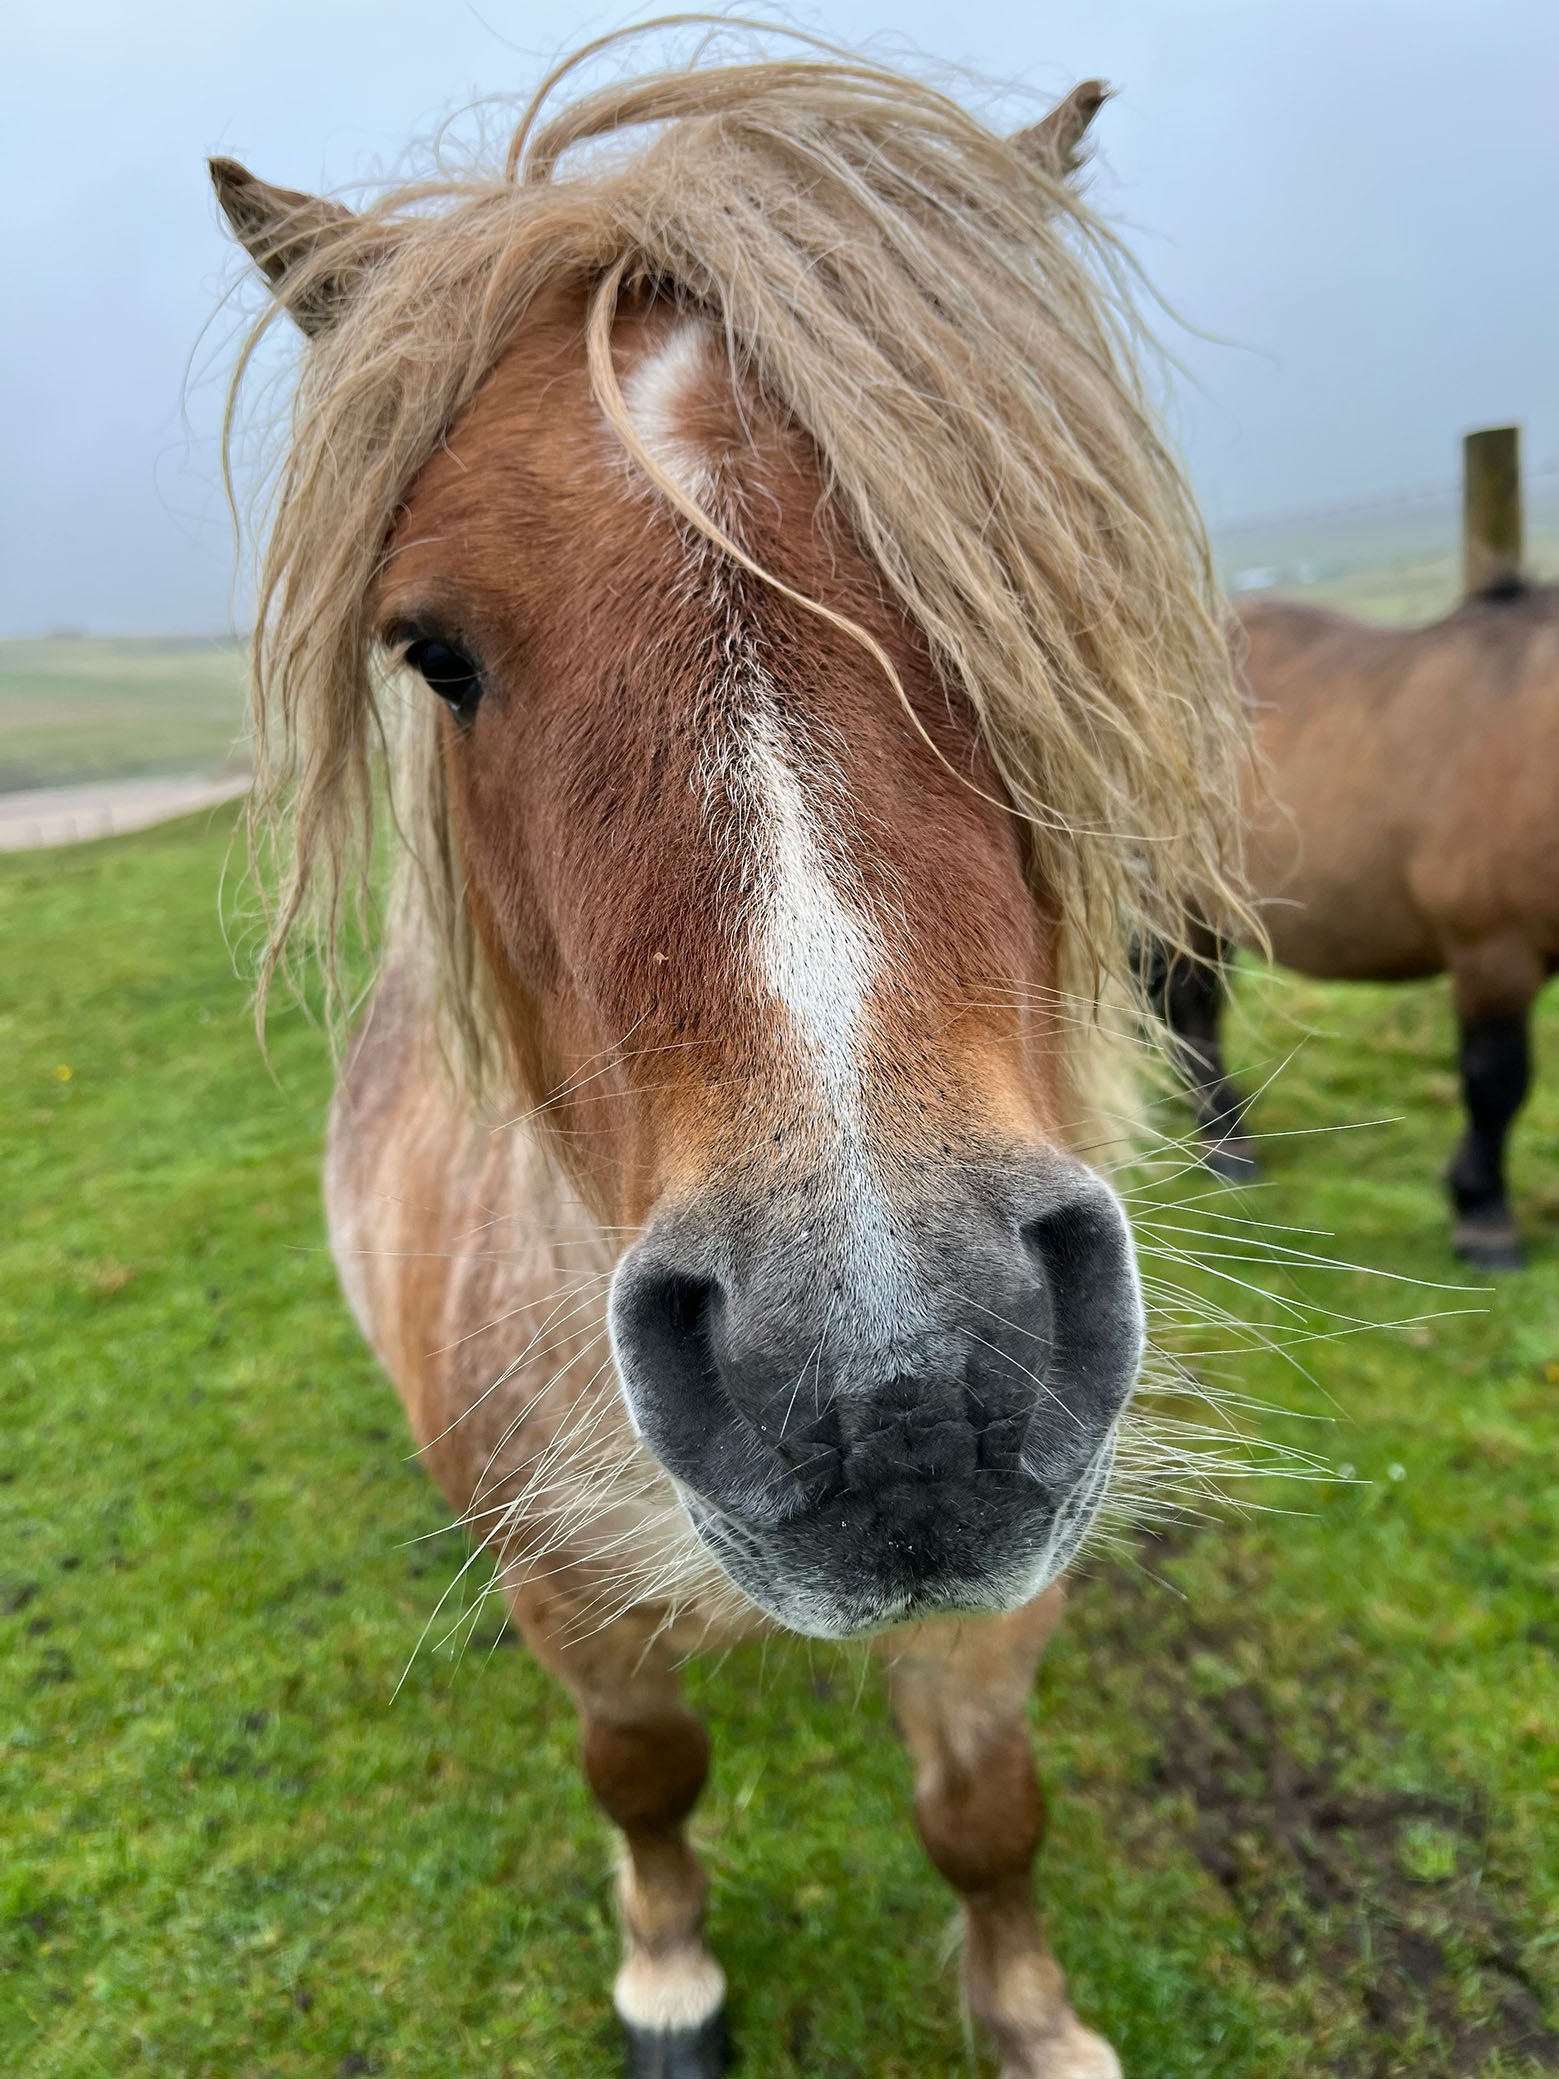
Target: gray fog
x,y
1351,201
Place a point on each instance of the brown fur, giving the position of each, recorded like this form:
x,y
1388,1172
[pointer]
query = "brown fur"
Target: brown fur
x,y
960,1695
1410,815
1403,822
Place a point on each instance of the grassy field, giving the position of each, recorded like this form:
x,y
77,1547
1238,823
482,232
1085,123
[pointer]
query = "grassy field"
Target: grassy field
x,y
102,708
1302,1764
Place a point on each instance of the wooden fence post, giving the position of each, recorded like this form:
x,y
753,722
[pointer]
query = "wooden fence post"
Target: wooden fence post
x,y
1491,511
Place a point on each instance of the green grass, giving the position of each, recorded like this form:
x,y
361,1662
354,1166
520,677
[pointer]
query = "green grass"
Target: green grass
x,y
76,708
1302,1765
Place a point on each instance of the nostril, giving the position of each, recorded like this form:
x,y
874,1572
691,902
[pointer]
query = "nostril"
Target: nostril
x,y
1075,1240
1081,1249
665,1323
685,1306
663,1320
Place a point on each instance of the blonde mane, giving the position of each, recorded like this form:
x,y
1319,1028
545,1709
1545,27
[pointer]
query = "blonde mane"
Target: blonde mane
x,y
951,327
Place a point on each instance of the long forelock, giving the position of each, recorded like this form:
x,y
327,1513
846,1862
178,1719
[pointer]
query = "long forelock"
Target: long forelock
x,y
948,325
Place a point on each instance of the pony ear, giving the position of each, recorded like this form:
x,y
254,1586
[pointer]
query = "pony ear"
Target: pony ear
x,y
289,237
1056,143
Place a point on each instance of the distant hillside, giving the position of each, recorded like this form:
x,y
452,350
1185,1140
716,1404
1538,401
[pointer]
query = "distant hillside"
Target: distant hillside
x,y
96,708
1396,561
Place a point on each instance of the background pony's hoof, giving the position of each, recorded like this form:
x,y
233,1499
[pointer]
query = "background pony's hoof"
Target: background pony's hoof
x,y
702,2052
1488,1245
1231,1160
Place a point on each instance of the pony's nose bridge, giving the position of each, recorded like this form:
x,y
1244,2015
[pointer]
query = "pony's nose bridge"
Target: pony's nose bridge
x,y
755,1365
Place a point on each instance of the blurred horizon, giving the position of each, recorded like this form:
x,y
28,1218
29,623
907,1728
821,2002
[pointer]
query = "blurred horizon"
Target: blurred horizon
x,y
1347,204
1400,554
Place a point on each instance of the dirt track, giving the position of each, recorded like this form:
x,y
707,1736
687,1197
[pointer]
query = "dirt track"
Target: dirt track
x,y
45,816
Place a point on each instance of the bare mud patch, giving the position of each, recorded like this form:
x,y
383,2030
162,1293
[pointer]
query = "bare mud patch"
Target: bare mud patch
x,y
1380,1896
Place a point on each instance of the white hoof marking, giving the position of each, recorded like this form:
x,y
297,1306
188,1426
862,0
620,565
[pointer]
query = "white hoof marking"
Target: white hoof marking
x,y
666,1993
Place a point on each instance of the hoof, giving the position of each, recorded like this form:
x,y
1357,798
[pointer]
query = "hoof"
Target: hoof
x,y
1231,1160
1488,1245
701,2052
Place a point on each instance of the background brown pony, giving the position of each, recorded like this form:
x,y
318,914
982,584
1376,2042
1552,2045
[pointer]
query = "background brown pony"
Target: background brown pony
x,y
1406,824
798,674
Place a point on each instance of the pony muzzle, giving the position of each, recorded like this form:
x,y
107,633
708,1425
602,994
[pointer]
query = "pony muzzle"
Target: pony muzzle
x,y
868,1429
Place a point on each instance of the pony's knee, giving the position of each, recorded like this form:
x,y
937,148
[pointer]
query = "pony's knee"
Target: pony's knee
x,y
646,1775
981,1815
960,1694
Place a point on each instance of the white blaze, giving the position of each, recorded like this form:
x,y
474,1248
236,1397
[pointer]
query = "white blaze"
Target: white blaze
x,y
815,953
817,956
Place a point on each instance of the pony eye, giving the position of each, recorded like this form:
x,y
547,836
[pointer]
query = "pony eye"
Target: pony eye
x,y
448,672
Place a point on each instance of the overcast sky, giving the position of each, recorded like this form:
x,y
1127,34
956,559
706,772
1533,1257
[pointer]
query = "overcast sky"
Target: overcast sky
x,y
1359,198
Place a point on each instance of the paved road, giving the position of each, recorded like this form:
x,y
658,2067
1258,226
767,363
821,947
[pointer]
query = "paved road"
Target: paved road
x,y
67,815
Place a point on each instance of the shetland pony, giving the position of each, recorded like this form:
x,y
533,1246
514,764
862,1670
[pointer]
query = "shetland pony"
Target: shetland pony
x,y
1406,824
744,559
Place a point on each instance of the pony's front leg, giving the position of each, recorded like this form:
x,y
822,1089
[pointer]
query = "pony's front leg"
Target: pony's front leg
x,y
645,1758
960,1693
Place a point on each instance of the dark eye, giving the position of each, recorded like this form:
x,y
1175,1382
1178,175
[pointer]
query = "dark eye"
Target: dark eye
x,y
448,672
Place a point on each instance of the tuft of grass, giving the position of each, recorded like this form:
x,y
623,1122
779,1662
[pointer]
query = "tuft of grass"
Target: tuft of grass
x,y
1302,1764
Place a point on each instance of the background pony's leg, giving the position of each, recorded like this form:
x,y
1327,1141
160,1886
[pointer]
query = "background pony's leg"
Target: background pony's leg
x,y
646,1757
960,1692
1495,983
1189,992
